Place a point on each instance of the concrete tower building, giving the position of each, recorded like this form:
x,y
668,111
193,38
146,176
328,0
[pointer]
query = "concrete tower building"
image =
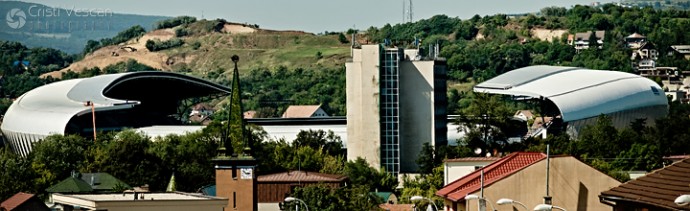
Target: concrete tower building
x,y
396,102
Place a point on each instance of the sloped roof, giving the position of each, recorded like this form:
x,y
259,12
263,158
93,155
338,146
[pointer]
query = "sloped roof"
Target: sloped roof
x,y
70,185
396,207
16,201
384,195
527,113
102,181
300,176
659,188
472,159
506,166
300,111
577,92
636,35
684,49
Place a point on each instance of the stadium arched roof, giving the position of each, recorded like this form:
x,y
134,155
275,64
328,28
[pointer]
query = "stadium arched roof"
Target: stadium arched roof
x,y
577,92
48,109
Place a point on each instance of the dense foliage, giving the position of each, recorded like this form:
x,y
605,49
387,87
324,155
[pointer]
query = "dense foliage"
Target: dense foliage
x,y
157,45
271,92
483,47
173,22
123,36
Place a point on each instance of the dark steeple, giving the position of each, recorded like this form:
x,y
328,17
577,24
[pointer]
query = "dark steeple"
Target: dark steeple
x,y
236,140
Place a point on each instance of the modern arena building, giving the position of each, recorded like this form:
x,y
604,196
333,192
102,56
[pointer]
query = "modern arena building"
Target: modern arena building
x,y
578,96
124,100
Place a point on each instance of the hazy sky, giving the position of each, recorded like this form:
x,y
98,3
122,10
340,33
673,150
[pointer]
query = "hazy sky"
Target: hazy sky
x,y
313,15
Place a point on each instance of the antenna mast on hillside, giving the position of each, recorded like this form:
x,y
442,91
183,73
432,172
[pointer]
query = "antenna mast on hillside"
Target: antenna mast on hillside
x,y
407,11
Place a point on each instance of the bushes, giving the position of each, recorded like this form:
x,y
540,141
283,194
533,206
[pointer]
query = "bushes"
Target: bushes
x,y
176,21
157,45
123,36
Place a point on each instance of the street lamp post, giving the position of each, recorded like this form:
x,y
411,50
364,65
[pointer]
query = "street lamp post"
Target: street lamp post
x,y
505,201
547,207
418,198
93,117
291,199
472,197
683,200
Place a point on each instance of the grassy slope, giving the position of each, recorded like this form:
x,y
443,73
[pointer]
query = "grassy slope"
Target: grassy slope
x,y
259,49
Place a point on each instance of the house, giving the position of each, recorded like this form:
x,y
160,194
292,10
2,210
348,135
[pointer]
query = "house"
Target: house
x,y
202,109
681,50
304,111
138,201
88,183
581,40
454,169
273,188
645,56
635,40
654,191
524,115
201,113
23,201
249,114
521,176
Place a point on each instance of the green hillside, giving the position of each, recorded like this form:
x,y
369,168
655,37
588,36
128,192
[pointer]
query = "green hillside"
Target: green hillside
x,y
66,29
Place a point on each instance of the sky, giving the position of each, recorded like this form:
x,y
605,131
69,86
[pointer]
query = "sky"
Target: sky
x,y
314,15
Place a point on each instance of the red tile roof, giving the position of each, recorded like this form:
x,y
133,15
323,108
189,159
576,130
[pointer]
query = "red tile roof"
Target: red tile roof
x,y
300,176
16,200
300,111
659,188
472,159
396,207
506,166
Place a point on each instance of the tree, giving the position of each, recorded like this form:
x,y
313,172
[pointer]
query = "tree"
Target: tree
x,y
360,173
16,175
342,38
485,121
599,140
189,157
331,143
128,157
54,157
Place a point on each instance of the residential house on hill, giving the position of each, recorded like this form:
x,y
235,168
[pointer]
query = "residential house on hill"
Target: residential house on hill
x,y
680,50
581,40
635,40
201,113
304,111
645,56
654,191
23,202
524,115
521,176
249,114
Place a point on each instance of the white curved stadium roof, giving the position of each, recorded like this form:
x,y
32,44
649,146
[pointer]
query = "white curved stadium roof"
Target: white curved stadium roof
x,y
577,92
46,110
